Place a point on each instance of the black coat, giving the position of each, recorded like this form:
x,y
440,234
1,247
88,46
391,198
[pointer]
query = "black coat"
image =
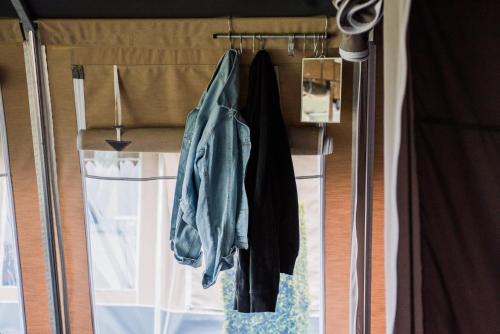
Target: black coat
x,y
273,227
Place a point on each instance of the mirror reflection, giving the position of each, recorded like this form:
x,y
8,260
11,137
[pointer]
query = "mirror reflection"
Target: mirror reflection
x,y
321,90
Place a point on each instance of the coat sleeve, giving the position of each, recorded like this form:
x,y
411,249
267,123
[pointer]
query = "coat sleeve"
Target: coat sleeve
x,y
288,214
221,176
186,242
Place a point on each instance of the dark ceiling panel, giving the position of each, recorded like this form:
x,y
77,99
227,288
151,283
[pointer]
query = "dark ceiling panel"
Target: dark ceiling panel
x,y
170,8
6,9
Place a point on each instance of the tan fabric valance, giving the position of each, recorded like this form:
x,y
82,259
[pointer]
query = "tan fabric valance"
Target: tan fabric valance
x,y
163,95
167,140
176,33
10,32
303,141
164,66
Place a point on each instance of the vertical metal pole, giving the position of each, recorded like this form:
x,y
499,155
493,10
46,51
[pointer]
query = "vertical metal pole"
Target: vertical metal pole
x,y
363,144
322,324
46,179
369,165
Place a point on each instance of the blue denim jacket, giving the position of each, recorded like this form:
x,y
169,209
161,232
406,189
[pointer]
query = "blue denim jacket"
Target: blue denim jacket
x,y
210,213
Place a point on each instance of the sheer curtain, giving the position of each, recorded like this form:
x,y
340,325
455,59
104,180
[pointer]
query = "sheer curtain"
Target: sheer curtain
x,y
137,285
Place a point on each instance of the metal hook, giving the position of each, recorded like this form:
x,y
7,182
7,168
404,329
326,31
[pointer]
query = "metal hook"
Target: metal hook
x,y
317,54
322,46
241,45
230,31
253,44
291,45
315,45
323,41
261,41
304,46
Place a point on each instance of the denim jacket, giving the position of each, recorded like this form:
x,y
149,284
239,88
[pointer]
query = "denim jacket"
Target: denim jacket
x,y
210,213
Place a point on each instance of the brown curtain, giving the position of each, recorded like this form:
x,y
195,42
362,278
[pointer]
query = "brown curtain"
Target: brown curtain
x,y
408,318
451,227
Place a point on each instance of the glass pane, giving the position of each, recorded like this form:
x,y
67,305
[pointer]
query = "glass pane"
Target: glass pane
x,y
11,309
138,287
299,302
3,151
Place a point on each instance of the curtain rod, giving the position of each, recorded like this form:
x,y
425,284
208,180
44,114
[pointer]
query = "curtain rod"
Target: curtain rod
x,y
295,35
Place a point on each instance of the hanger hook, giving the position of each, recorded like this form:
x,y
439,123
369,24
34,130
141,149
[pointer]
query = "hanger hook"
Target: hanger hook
x,y
317,54
322,46
261,41
319,42
241,45
230,31
315,45
253,44
324,50
304,46
291,44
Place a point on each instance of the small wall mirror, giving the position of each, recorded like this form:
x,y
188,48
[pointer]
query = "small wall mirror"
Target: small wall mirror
x,y
321,90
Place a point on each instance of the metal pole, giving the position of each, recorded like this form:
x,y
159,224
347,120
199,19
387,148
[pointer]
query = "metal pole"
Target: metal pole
x,y
363,143
322,324
41,127
295,35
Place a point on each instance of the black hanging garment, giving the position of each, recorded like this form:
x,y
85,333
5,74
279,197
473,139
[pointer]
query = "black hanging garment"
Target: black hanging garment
x,y
273,227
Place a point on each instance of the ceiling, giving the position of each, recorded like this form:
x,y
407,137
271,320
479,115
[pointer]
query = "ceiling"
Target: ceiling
x,y
72,9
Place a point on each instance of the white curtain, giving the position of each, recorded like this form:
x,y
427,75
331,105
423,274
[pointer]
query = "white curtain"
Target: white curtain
x,y
396,14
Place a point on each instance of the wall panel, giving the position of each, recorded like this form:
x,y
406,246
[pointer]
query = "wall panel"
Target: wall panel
x,y
22,164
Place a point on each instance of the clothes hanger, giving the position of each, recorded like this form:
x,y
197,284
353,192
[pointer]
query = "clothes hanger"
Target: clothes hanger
x,y
253,45
304,46
323,40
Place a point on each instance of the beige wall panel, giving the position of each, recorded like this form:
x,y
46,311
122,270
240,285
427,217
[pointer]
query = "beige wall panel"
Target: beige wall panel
x,y
176,34
162,95
338,216
10,32
151,96
70,190
22,164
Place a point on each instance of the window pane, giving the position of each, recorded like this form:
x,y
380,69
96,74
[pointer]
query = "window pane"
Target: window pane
x,y
3,151
112,221
11,310
298,308
138,287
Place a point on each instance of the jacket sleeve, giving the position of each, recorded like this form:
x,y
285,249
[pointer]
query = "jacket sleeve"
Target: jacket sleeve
x,y
288,214
218,200
186,242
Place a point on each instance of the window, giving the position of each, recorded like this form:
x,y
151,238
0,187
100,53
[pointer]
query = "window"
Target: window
x,y
11,309
137,285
